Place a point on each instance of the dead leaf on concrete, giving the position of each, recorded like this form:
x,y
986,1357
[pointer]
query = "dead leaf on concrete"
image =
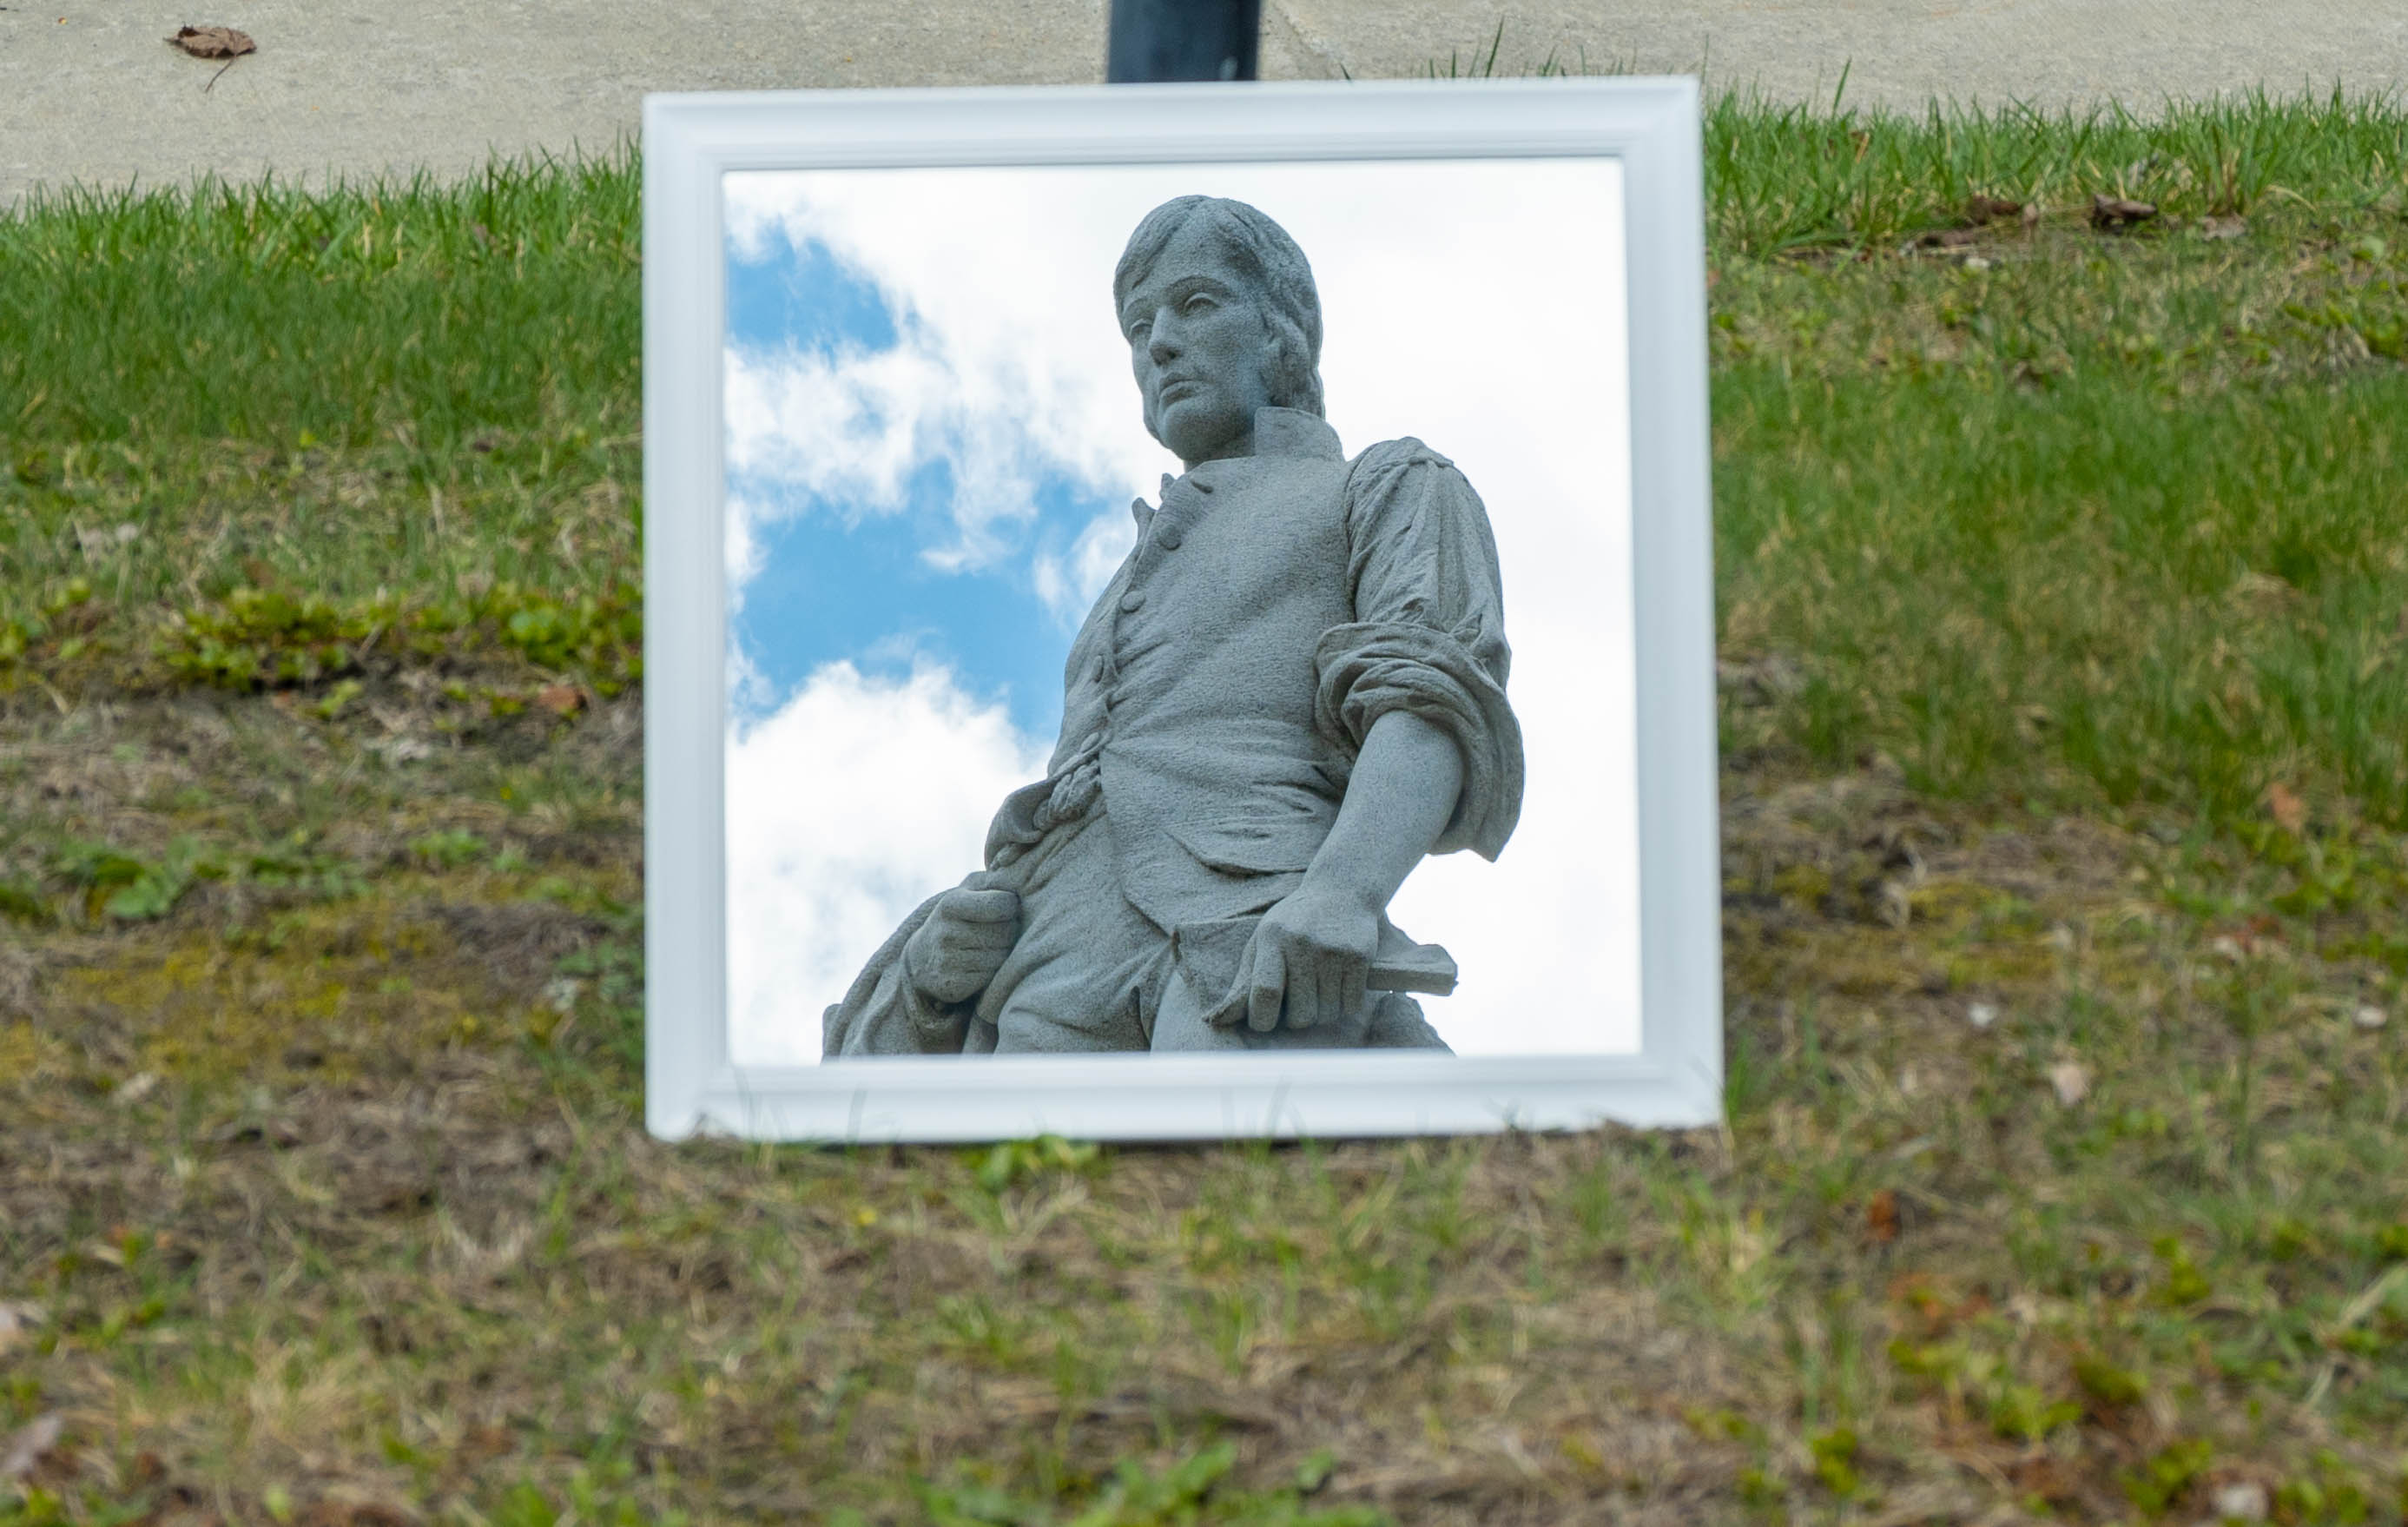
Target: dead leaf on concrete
x,y
29,1446
2289,811
213,41
2115,214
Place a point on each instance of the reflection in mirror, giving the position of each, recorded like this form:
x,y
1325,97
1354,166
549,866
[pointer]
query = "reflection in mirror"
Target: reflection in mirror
x,y
1088,574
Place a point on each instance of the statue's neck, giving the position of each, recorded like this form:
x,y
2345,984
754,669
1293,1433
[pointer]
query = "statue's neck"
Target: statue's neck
x,y
1281,432
1242,445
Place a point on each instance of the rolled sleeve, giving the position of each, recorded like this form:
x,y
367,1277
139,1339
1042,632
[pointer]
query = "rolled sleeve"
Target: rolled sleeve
x,y
1428,637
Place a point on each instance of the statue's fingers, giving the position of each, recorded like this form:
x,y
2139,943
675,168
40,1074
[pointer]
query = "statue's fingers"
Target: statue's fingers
x,y
1304,983
1315,983
1353,986
1296,990
982,963
1229,1006
948,982
990,906
1333,993
1270,983
961,938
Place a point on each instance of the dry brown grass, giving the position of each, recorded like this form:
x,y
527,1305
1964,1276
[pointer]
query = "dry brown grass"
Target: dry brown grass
x,y
336,1205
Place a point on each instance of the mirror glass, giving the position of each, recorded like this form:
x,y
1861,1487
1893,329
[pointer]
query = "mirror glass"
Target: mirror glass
x,y
933,440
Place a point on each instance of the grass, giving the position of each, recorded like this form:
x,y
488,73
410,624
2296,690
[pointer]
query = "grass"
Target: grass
x,y
2060,590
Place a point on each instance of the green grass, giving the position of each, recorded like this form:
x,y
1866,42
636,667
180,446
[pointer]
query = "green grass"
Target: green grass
x,y
2034,497
423,313
2112,526
2063,1175
417,403
1784,179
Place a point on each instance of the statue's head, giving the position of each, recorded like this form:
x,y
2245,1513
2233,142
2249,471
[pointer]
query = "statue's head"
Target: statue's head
x,y
1222,317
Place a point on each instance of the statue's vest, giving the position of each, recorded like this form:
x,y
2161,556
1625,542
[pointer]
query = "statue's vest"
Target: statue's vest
x,y
1217,787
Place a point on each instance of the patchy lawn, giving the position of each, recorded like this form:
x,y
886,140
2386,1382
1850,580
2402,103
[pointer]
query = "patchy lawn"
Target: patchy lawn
x,y
2064,683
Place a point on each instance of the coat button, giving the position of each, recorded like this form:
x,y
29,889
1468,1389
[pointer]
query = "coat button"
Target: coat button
x,y
1170,539
1131,603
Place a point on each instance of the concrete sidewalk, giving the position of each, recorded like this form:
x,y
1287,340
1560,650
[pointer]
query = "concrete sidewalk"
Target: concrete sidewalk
x,y
90,92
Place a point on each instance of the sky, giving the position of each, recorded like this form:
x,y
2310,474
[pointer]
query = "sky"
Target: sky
x,y
933,439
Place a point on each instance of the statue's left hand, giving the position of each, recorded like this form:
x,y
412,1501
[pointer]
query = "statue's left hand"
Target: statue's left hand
x,y
1310,961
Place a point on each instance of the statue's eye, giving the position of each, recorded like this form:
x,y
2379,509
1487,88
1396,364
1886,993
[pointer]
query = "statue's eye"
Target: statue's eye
x,y
1201,302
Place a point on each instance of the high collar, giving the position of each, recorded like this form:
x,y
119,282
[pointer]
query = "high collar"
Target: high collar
x,y
1293,432
1281,434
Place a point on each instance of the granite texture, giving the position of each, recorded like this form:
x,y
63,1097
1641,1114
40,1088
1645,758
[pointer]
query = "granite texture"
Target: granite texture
x,y
1292,691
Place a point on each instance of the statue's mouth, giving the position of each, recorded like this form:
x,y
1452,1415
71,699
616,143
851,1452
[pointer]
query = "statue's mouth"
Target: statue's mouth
x,y
1176,388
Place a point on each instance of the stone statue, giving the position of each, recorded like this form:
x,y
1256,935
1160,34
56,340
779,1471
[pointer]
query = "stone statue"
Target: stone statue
x,y
1292,689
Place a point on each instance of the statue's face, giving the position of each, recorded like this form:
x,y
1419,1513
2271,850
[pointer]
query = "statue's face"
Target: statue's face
x,y
1200,348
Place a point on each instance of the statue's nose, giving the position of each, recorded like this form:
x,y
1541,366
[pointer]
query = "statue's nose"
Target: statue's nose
x,y
1162,342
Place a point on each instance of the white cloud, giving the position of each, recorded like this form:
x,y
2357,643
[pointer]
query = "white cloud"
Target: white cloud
x,y
992,374
1071,585
855,802
1476,305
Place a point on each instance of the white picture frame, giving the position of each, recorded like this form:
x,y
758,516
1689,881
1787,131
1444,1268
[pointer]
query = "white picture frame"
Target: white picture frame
x,y
694,1082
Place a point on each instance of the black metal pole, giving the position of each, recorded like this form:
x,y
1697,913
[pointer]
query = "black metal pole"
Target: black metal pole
x,y
1154,40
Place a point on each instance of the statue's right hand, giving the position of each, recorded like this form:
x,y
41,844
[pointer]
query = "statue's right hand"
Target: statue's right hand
x,y
956,952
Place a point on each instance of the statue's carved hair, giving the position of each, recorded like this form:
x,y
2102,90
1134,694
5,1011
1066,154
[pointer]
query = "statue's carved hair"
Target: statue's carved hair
x,y
1262,252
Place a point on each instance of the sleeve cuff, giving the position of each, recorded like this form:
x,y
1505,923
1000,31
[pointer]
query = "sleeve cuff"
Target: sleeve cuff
x,y
1371,668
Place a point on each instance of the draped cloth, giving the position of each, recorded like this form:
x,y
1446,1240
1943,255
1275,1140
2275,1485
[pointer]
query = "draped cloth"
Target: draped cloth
x,y
1429,633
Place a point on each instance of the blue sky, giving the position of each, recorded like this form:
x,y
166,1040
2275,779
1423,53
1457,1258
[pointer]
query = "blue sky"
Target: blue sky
x,y
838,577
